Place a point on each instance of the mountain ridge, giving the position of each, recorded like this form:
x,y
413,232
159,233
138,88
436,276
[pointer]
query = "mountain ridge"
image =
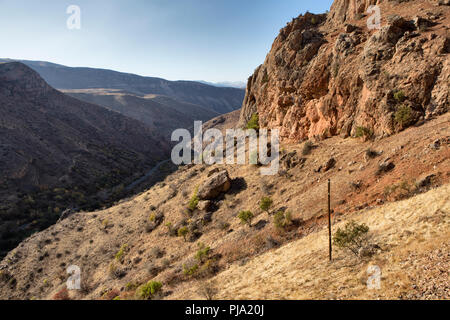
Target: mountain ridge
x,y
52,141
218,99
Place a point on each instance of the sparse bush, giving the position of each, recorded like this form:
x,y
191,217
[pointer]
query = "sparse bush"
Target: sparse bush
x,y
307,148
246,217
202,252
193,203
400,190
120,254
253,123
265,204
190,270
131,286
149,290
105,223
183,232
115,272
282,219
223,225
363,132
403,116
208,290
399,96
371,154
156,252
352,237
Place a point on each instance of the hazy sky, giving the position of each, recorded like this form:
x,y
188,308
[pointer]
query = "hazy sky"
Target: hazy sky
x,y
212,40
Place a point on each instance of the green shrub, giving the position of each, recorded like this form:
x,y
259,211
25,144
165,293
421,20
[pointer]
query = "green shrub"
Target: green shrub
x,y
403,116
253,123
193,203
189,271
148,290
121,253
265,204
246,217
352,237
363,132
202,252
130,286
183,232
282,219
399,96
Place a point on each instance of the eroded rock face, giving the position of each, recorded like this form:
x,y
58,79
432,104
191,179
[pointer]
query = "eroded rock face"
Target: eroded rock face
x,y
215,185
329,74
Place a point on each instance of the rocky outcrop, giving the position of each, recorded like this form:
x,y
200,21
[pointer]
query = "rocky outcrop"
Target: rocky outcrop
x,y
215,185
330,75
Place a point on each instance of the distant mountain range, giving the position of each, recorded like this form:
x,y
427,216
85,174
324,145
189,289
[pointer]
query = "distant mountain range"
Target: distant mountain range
x,y
218,99
229,84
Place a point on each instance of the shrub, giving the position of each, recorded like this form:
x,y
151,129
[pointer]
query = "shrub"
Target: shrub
x,y
223,225
399,96
131,286
307,148
253,123
115,272
403,116
149,290
202,253
190,270
193,203
183,232
282,219
265,204
352,237
246,217
371,153
363,132
208,290
120,254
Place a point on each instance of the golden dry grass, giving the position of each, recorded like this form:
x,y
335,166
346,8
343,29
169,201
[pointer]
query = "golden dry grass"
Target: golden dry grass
x,y
300,270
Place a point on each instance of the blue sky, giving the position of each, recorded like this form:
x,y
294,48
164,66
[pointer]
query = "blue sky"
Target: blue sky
x,y
211,40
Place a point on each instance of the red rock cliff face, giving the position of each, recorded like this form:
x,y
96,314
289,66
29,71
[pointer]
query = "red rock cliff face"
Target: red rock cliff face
x,y
330,75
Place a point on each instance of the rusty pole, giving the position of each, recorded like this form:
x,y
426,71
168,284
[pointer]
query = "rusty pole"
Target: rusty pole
x,y
329,220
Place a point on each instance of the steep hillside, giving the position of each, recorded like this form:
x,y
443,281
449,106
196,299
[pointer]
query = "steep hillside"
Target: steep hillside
x,y
373,105
160,113
121,248
219,100
330,75
57,152
414,260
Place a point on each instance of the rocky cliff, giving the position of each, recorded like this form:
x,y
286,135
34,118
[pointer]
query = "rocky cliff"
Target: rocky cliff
x,y
331,75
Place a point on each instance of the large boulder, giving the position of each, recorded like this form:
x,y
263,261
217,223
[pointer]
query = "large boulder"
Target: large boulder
x,y
215,185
